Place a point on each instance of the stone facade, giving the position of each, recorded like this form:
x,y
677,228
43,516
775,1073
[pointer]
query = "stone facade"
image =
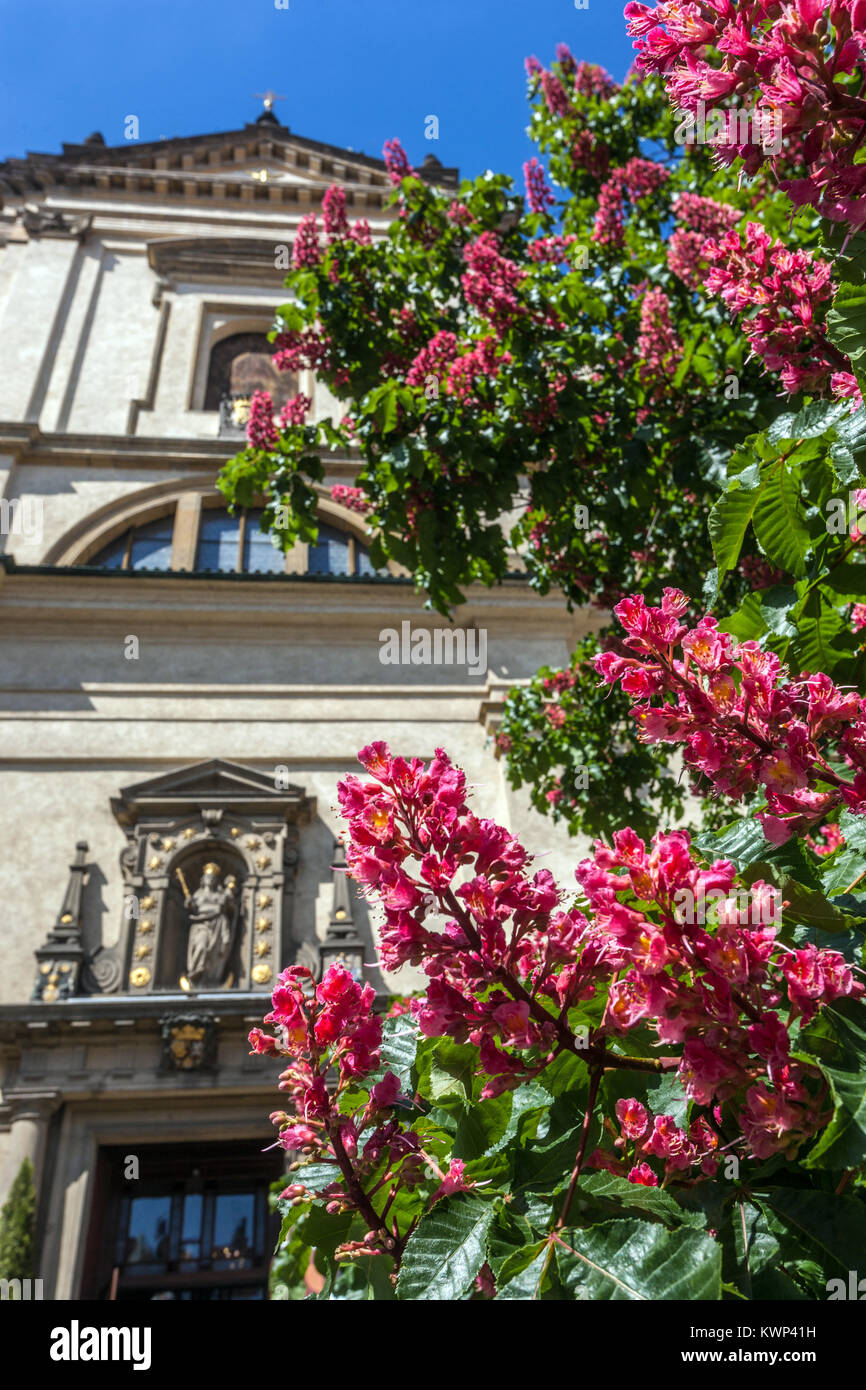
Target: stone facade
x,y
219,732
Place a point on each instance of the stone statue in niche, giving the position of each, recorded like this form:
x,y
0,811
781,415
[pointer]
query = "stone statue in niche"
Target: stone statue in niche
x,y
213,913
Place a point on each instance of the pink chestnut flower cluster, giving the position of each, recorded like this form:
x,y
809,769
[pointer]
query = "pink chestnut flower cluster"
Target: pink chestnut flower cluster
x,y
325,1029
538,194
262,432
698,220
789,63
397,162
588,151
506,964
643,1135
491,282
783,288
743,724
352,497
637,179
713,988
658,347
442,361
832,840
504,947
307,251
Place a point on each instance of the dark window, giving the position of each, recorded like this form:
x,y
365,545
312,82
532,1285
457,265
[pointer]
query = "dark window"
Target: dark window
x,y
196,1224
242,364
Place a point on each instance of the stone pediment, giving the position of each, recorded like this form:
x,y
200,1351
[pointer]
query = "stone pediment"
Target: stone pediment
x,y
267,160
210,786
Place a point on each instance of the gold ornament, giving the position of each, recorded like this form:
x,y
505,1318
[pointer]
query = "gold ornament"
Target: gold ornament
x,y
142,951
145,926
148,903
235,832
189,832
49,994
261,974
139,977
210,869
263,861
67,917
252,842
263,923
262,948
264,900
168,844
45,969
155,862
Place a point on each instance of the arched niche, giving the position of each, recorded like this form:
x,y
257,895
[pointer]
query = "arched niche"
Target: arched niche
x,y
243,363
172,968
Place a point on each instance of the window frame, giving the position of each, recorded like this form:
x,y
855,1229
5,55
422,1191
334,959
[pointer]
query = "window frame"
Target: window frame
x,y
187,512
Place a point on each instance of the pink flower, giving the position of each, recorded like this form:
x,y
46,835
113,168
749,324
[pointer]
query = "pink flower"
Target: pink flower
x,y
294,412
453,1181
306,251
334,213
396,162
639,178
643,1175
261,430
538,194
633,1118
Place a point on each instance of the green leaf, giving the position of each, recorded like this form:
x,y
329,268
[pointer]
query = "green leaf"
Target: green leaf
x,y
776,607
447,1249
452,1071
778,520
482,1126
728,523
809,423
399,1044
655,1201
843,1142
528,1283
834,1227
743,843
638,1260
846,326
810,906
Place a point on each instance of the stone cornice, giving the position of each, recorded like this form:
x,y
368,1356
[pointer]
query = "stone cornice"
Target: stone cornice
x,y
186,166
32,446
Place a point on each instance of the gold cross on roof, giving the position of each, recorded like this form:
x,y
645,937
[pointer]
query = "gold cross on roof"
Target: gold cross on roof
x,y
268,98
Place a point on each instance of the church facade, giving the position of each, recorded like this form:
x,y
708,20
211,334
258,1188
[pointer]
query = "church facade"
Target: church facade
x,y
178,700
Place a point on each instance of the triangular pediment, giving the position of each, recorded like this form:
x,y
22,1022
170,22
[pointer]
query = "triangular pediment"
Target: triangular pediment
x,y
215,785
198,161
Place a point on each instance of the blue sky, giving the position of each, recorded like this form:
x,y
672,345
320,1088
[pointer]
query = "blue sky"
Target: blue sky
x,y
354,72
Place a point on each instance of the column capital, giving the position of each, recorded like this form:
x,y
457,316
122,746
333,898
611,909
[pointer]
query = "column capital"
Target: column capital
x,y
29,1105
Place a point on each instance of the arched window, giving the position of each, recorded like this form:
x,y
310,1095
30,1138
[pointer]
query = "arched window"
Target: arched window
x,y
237,543
238,366
234,545
145,547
